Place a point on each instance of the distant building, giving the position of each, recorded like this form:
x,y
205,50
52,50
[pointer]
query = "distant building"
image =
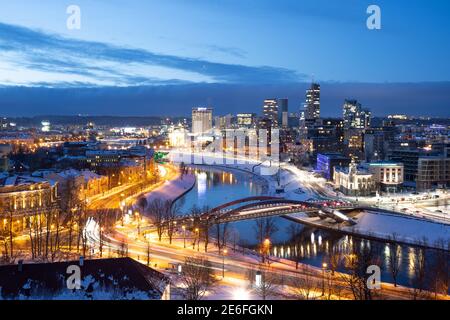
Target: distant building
x,y
354,143
355,117
388,176
325,136
202,120
433,172
312,103
99,158
425,169
75,186
224,122
5,150
101,279
353,181
326,162
377,142
283,117
246,120
270,111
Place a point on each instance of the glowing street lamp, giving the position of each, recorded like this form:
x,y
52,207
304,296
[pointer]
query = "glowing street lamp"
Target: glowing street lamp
x,y
225,251
324,267
197,230
184,237
266,248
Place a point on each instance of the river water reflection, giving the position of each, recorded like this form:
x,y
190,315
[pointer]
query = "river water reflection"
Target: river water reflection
x,y
291,240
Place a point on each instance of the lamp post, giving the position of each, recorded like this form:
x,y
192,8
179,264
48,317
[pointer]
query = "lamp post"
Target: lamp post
x,y
324,267
196,238
184,237
266,249
225,251
138,220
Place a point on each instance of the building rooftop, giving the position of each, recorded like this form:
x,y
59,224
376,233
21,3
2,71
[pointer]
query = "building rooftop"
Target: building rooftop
x,y
22,180
102,279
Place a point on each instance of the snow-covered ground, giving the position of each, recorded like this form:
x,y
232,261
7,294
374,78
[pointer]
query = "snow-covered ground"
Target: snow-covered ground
x,y
387,226
172,190
411,230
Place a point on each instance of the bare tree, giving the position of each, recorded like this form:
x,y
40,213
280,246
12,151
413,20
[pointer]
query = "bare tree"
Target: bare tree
x,y
440,268
142,203
268,285
305,284
157,209
356,265
195,212
418,265
197,277
171,211
394,258
148,253
264,229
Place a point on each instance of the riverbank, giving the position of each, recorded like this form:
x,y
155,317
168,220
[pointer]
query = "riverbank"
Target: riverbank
x,y
385,227
373,224
174,189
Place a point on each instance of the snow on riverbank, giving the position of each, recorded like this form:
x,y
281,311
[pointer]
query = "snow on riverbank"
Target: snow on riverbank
x,y
409,230
172,190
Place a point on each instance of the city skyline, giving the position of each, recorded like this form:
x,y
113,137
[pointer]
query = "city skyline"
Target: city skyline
x,y
47,68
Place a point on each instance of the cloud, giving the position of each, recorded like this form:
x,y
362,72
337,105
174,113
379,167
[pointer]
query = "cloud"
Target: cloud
x,y
430,99
97,63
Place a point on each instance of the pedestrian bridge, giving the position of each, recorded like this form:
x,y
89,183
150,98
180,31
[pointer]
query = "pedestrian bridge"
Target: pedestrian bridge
x,y
266,206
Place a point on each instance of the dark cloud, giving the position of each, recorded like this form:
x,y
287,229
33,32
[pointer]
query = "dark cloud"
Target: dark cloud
x,y
48,52
430,99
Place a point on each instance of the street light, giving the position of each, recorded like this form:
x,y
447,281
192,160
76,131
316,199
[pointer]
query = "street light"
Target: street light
x,y
198,238
225,251
324,267
266,248
184,237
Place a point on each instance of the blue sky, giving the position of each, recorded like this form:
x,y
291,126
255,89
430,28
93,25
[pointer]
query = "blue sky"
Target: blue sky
x,y
126,43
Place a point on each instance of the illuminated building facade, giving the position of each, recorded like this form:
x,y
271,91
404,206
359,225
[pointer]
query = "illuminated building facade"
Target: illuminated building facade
x,y
202,120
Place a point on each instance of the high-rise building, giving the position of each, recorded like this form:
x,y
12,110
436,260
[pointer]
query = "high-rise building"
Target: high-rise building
x,y
283,116
224,122
312,104
355,117
246,120
201,120
270,111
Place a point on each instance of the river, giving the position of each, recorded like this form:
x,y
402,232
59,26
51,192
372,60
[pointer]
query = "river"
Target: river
x,y
291,240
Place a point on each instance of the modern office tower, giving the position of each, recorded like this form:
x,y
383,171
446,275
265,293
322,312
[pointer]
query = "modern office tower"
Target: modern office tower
x,y
283,116
355,117
246,120
270,111
312,104
201,120
224,122
326,135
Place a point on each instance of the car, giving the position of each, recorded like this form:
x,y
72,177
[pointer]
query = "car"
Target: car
x,y
438,211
